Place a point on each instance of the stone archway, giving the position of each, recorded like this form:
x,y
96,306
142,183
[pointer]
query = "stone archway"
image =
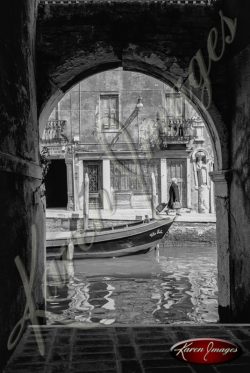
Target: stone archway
x,y
20,167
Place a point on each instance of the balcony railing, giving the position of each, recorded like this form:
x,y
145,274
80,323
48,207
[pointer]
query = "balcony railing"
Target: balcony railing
x,y
175,139
176,131
53,132
178,2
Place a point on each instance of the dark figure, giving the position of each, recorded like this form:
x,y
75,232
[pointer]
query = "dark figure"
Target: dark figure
x,y
181,132
174,197
174,200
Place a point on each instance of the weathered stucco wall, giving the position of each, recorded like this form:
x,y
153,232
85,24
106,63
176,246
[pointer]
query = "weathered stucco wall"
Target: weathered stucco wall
x,y
80,106
20,172
128,86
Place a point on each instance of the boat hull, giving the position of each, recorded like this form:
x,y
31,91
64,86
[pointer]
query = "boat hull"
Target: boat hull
x,y
128,241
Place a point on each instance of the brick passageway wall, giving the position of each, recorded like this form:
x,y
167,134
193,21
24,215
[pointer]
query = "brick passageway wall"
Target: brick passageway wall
x,y
20,173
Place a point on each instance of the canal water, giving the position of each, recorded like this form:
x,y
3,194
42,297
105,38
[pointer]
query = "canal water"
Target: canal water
x,y
175,284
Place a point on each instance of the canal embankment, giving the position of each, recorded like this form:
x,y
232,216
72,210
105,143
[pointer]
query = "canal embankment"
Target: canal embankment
x,y
188,227
200,232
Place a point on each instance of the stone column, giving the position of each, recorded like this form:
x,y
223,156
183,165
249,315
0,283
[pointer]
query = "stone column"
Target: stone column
x,y
153,196
69,166
107,197
164,184
76,177
221,183
80,185
212,207
189,198
86,201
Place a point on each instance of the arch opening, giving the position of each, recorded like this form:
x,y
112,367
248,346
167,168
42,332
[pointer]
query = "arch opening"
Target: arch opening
x,y
114,184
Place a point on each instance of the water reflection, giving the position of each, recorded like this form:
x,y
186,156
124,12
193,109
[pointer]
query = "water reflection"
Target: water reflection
x,y
170,285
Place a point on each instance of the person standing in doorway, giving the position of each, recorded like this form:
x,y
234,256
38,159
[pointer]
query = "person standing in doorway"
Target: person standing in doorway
x,y
174,197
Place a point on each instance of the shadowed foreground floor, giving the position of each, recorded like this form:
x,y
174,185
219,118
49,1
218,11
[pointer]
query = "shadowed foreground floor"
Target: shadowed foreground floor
x,y
122,349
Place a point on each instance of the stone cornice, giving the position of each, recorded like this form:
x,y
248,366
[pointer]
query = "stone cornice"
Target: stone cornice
x,y
221,176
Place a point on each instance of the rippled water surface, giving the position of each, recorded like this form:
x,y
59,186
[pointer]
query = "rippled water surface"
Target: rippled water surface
x,y
176,284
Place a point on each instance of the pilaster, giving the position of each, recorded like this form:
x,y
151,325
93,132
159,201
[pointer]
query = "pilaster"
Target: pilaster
x,y
189,197
107,198
221,181
69,166
164,184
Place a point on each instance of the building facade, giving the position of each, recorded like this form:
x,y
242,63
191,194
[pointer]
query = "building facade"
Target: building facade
x,y
121,127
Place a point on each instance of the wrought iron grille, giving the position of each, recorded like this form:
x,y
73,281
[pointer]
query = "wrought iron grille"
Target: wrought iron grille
x,y
176,131
134,176
93,178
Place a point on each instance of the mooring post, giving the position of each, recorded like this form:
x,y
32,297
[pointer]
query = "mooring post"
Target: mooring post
x,y
70,251
86,202
153,196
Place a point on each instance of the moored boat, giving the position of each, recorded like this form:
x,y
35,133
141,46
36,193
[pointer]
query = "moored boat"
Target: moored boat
x,y
129,239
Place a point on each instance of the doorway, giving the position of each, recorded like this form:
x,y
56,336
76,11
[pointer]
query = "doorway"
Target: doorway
x,y
94,171
56,184
176,168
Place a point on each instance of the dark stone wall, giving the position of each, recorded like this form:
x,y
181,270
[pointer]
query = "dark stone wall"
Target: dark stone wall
x,y
73,41
231,81
20,173
240,186
17,79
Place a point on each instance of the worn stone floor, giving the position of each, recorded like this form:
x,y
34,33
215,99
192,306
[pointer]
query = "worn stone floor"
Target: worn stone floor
x,y
122,349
